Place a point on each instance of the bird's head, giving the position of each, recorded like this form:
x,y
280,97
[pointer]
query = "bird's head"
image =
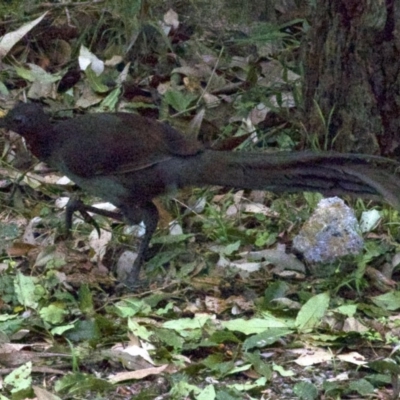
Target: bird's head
x,y
26,119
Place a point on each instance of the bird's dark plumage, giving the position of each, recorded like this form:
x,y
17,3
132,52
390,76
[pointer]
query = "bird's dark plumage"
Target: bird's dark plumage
x,y
128,160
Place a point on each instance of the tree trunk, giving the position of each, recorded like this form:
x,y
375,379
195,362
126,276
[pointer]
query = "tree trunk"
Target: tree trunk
x,y
352,82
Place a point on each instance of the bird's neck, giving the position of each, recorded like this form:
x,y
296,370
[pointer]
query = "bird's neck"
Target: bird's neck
x,y
41,143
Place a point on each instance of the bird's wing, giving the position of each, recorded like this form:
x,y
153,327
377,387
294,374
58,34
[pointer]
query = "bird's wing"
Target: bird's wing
x,y
120,143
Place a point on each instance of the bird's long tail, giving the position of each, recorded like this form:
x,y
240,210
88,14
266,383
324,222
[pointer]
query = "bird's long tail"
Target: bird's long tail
x,y
328,173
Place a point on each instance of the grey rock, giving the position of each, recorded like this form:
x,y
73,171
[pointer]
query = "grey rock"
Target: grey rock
x,y
330,233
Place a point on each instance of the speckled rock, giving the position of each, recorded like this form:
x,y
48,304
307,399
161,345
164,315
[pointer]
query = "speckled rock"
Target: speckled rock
x,y
330,233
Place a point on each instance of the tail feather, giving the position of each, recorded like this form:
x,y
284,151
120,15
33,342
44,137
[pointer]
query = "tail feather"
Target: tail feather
x,y
328,173
385,184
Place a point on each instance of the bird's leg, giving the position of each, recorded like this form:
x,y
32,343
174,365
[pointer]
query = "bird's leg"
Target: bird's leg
x,y
134,214
148,213
74,205
105,213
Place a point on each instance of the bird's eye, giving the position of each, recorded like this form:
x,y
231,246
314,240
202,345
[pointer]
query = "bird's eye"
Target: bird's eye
x,y
19,119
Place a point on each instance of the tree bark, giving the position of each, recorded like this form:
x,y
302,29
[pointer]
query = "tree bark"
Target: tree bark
x,y
351,61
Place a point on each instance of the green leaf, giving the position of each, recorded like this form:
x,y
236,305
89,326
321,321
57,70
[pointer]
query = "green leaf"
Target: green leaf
x,y
11,326
282,371
311,314
111,100
25,289
208,393
163,257
36,74
50,258
20,378
131,307
6,317
245,387
187,323
332,389
215,363
275,290
239,368
362,387
183,389
59,330
84,330
384,366
169,337
266,239
171,239
85,300
8,232
53,314
388,301
229,393
219,337
139,330
379,379
259,365
231,248
349,310
265,338
305,391
254,325
180,101
77,383
95,81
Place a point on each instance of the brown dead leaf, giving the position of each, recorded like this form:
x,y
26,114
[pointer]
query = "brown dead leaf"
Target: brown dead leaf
x,y
94,277
19,249
351,324
241,302
215,304
312,356
8,41
139,374
165,217
353,358
100,243
171,18
59,52
379,280
218,306
206,283
191,84
257,208
13,355
42,394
